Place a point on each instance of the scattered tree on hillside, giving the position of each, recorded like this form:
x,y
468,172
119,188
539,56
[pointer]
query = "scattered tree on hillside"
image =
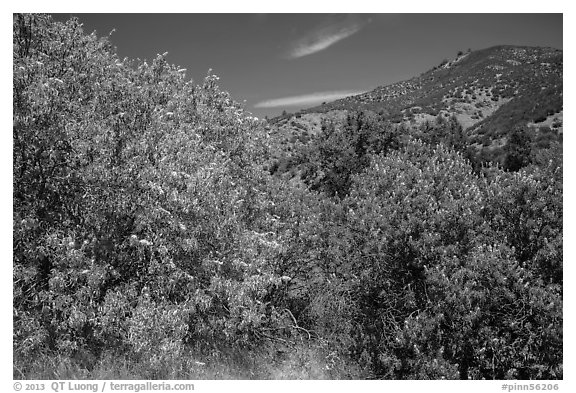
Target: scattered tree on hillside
x,y
517,150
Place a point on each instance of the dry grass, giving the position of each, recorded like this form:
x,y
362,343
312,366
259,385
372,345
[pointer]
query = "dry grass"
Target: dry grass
x,y
303,361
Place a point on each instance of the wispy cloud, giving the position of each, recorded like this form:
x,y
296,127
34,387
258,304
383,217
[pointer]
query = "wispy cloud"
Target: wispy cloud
x,y
326,35
306,99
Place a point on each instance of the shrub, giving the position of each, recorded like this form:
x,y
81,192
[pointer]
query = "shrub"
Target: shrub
x,y
137,205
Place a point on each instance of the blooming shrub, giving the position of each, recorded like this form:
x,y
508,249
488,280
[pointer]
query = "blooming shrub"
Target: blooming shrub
x,y
136,197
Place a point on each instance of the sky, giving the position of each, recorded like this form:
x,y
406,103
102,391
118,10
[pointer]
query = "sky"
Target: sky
x,y
278,62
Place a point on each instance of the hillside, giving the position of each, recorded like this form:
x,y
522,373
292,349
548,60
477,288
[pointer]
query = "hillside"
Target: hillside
x,y
490,92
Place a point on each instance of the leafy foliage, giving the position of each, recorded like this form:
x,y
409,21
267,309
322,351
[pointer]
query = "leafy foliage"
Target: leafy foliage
x,y
136,204
343,151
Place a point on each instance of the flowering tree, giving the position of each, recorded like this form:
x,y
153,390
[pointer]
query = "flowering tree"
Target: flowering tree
x,y
137,204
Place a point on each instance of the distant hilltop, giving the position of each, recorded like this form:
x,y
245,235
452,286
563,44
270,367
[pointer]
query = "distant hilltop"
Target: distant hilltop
x,y
489,91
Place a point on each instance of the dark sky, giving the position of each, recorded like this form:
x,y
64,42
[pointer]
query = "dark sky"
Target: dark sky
x,y
291,61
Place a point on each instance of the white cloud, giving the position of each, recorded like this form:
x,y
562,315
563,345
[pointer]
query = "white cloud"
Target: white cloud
x,y
306,99
326,36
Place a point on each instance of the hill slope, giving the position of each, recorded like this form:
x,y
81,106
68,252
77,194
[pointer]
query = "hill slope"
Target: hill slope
x,y
489,91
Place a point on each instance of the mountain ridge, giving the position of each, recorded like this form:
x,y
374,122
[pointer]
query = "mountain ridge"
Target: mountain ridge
x,y
490,91
399,96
